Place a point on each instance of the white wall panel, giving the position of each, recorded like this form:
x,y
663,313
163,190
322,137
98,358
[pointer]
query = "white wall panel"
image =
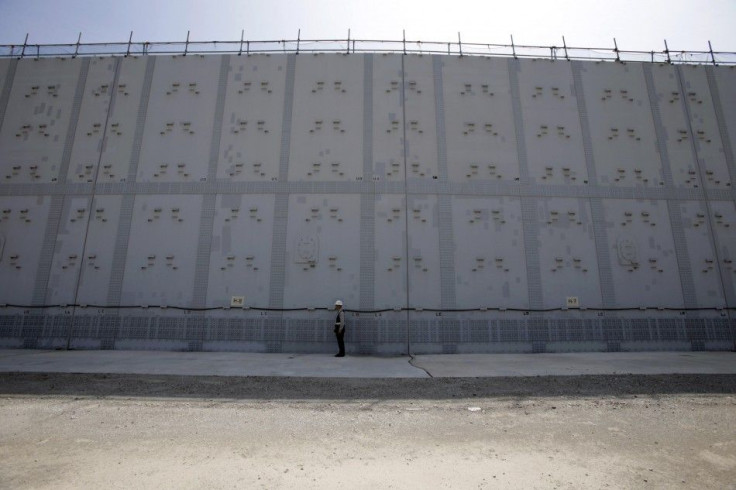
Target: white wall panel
x,y
567,254
424,254
98,254
92,118
250,146
118,148
421,119
159,268
489,253
241,249
68,251
481,138
323,251
552,132
476,93
642,253
621,127
701,252
390,245
674,119
37,120
327,123
22,226
388,118
178,131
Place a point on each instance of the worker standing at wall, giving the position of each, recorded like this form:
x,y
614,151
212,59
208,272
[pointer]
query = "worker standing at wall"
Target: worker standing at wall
x,y
340,328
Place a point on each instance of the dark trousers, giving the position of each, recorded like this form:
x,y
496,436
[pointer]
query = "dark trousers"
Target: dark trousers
x,y
341,341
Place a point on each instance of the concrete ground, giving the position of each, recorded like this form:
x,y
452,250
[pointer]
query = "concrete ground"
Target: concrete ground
x,y
326,366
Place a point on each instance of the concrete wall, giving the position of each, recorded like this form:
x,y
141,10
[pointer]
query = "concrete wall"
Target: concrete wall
x,y
149,191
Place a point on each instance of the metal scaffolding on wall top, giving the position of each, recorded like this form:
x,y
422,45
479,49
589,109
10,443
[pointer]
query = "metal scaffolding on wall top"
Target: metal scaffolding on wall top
x,y
349,46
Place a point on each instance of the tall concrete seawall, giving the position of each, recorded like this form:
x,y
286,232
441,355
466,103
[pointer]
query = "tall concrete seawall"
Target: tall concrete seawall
x,y
455,204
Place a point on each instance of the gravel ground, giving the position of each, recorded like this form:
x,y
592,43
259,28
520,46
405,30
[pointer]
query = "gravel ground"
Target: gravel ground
x,y
119,431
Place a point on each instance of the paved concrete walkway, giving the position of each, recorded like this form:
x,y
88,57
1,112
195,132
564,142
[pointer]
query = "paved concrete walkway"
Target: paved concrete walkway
x,y
326,366
579,363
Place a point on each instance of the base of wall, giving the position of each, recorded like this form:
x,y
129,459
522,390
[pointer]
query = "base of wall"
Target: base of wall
x,y
389,334
361,349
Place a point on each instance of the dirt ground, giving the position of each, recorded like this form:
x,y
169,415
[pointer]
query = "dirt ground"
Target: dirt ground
x,y
97,431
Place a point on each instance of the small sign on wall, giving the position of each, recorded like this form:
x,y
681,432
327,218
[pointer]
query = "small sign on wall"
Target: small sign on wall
x,y
573,302
237,301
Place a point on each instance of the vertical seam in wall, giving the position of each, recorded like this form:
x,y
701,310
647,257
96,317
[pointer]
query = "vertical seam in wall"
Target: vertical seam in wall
x,y
218,120
46,257
603,256
694,145
444,201
141,122
73,121
367,199
689,295
209,200
204,246
659,130
530,223
281,207
367,116
7,86
117,270
513,67
405,149
530,226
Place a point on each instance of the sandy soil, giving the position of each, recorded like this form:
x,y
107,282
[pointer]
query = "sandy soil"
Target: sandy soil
x,y
77,431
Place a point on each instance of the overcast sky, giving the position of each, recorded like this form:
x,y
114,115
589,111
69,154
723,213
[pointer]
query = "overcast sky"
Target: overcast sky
x,y
636,24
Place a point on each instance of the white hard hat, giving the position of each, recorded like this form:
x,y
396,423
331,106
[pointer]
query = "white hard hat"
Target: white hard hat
x,y
338,303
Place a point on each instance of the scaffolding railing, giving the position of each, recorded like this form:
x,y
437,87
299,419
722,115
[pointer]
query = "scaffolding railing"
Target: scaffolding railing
x,y
349,46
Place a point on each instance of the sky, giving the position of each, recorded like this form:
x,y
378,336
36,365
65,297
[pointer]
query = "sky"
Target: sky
x,y
636,24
